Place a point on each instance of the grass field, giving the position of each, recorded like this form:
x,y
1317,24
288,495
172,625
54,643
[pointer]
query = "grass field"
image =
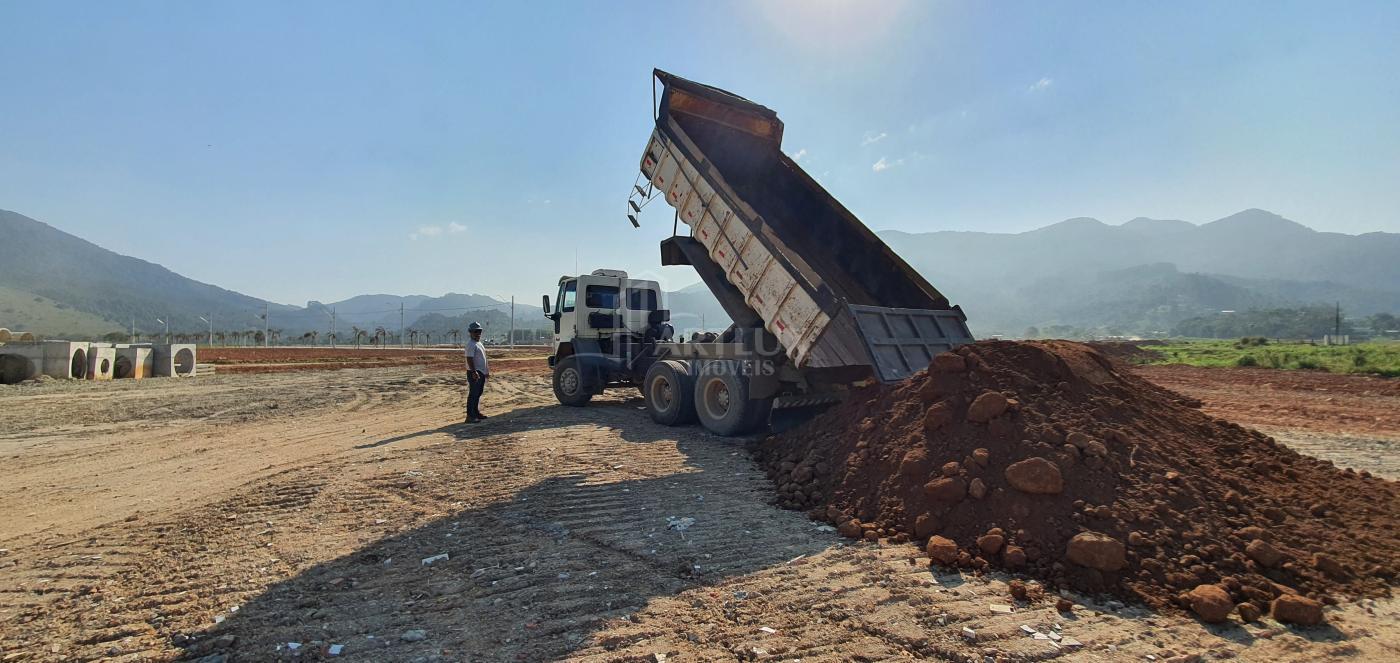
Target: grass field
x,y
26,311
1378,358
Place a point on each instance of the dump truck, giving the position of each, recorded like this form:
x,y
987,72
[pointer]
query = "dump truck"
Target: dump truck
x,y
819,303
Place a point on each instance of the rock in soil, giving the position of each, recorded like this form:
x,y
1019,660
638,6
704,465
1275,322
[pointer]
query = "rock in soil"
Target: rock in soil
x,y
1211,603
1294,609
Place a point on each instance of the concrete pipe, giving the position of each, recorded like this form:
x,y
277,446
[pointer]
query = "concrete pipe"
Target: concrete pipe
x,y
175,360
101,362
134,362
15,368
65,360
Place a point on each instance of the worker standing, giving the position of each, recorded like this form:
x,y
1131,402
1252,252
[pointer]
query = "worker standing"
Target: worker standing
x,y
477,372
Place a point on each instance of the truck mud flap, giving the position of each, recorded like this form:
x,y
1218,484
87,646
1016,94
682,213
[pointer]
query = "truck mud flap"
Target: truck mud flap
x,y
902,341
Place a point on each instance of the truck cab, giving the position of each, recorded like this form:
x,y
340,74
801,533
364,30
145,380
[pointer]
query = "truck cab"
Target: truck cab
x,y
605,324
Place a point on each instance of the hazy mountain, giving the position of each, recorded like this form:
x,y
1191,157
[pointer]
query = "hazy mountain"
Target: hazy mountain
x,y
1142,276
62,285
1146,274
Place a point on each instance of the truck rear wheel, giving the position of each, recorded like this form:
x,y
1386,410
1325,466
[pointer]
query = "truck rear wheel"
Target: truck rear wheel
x,y
722,400
669,389
569,385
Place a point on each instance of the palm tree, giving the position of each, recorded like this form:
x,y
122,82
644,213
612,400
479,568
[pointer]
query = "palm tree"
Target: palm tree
x,y
313,335
358,333
330,336
427,338
412,337
379,334
455,334
220,337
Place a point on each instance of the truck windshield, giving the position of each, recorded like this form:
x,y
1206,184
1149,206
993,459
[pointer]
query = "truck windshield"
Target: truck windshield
x,y
641,299
567,293
601,296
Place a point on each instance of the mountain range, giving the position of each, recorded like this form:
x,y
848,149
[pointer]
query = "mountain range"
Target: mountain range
x,y
1140,277
1146,274
62,285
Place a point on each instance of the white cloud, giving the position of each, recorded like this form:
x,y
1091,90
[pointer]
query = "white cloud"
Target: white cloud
x,y
800,153
1043,84
884,164
435,230
871,138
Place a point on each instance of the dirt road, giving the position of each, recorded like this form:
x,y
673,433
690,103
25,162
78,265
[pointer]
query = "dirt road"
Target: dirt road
x,y
234,517
1351,420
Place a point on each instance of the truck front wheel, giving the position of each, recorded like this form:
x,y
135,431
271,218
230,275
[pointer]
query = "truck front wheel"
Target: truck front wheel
x,y
722,400
669,389
569,385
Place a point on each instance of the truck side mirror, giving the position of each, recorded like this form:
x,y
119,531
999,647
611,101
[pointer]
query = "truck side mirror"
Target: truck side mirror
x,y
546,306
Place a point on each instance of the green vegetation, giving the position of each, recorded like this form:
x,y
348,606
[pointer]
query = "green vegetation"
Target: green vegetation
x,y
1375,357
1303,322
25,311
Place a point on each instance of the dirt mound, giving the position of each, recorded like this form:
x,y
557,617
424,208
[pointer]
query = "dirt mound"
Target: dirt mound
x,y
1042,458
1128,352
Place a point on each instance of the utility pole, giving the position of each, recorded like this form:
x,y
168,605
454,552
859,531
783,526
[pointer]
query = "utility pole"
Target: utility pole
x,y
133,330
512,321
400,324
267,329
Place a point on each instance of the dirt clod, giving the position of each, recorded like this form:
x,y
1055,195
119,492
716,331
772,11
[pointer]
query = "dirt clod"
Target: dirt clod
x,y
1261,551
1037,476
1096,551
941,550
989,405
1294,609
1211,603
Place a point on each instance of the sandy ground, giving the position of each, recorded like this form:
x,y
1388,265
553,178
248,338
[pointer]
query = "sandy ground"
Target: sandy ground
x,y
226,518
1351,420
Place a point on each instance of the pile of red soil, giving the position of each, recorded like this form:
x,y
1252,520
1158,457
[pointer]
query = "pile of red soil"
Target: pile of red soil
x,y
1128,352
1042,458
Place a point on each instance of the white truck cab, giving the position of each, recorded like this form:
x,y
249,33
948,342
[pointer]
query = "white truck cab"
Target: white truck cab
x,y
600,304
603,322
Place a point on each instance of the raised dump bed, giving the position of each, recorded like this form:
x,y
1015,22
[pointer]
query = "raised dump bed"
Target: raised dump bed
x,y
817,278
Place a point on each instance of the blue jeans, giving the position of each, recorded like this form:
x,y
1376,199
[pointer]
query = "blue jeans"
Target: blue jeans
x,y
474,389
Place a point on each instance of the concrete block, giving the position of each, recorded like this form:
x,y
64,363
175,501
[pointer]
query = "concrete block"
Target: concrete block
x,y
134,362
20,362
101,362
174,360
66,360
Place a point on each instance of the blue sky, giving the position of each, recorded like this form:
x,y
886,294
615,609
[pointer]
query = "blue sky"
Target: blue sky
x,y
317,150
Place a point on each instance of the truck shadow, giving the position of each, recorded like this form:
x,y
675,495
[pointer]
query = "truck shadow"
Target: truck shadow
x,y
537,575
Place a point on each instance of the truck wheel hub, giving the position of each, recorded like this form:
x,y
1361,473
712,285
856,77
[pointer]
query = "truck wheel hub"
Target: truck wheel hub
x,y
569,381
717,398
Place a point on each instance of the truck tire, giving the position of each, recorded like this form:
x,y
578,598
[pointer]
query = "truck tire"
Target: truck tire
x,y
669,389
722,399
569,385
